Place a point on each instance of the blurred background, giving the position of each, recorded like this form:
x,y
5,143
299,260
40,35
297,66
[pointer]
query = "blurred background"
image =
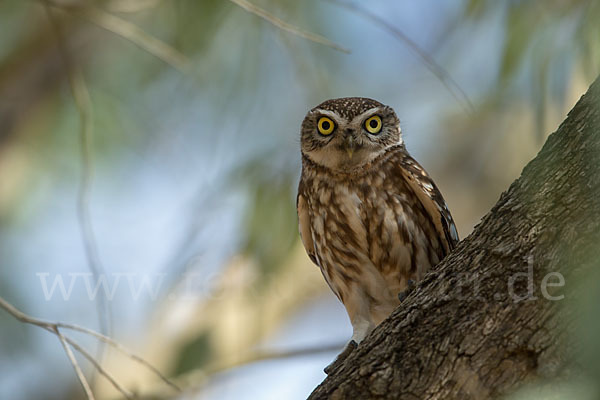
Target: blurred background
x,y
149,157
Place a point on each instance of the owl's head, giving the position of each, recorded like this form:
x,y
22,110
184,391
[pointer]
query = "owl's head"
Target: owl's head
x,y
345,134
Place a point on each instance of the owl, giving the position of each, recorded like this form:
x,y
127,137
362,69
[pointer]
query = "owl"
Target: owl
x,y
369,215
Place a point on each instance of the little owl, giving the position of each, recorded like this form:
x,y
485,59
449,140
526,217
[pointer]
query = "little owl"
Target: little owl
x,y
370,217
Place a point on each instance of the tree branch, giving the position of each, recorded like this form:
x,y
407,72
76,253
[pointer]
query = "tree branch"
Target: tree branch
x,y
284,26
54,327
84,383
127,30
83,103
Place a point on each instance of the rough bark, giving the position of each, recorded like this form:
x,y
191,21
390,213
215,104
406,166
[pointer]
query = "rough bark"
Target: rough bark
x,y
463,334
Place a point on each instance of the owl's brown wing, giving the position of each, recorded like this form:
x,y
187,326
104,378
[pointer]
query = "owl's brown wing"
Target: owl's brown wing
x,y
304,225
431,198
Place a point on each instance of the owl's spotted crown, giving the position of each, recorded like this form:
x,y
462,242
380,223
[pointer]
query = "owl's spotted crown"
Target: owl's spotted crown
x,y
349,107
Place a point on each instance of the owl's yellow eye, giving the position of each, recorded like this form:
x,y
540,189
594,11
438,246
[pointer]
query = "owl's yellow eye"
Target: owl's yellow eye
x,y
325,126
373,124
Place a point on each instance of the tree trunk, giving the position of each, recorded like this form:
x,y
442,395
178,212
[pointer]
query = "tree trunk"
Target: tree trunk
x,y
491,315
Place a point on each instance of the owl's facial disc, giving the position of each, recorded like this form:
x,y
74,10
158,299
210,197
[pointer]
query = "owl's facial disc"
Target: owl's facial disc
x,y
343,144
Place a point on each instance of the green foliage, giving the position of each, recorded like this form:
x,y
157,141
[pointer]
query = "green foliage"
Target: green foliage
x,y
194,354
270,223
544,42
564,28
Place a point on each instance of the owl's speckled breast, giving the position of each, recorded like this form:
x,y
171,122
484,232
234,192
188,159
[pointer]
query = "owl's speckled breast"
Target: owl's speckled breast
x,y
370,229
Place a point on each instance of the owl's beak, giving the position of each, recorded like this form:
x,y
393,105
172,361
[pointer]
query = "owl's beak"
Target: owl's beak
x,y
350,145
350,152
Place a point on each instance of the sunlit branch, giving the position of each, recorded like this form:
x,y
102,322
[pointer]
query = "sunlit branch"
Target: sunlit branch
x,y
129,31
259,12
130,6
117,346
99,368
84,383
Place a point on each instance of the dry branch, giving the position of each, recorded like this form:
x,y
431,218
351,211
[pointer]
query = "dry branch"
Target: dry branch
x,y
83,103
84,383
127,30
284,26
67,342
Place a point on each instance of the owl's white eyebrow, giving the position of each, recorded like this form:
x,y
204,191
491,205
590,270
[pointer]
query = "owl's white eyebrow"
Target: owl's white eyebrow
x,y
368,113
328,113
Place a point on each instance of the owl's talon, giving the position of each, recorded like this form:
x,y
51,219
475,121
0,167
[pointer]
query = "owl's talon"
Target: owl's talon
x,y
410,286
339,360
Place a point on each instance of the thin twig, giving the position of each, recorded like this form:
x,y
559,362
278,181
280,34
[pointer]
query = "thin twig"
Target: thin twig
x,y
100,369
84,383
443,76
274,355
138,36
83,102
262,13
117,346
54,326
131,6
199,377
129,31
